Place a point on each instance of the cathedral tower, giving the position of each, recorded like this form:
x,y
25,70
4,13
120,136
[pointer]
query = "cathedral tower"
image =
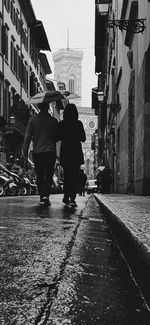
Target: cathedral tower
x,y
68,69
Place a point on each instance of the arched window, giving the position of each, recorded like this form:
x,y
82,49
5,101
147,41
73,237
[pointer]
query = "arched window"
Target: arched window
x,y
71,85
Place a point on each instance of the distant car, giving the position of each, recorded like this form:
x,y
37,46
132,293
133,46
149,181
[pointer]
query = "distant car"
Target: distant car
x,y
91,186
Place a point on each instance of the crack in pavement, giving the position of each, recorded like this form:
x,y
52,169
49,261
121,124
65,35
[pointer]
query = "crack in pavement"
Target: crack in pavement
x,y
44,312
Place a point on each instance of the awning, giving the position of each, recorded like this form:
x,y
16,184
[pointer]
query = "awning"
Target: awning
x,y
101,168
40,36
45,63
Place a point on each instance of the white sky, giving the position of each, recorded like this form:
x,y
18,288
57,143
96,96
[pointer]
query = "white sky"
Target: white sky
x,y
77,15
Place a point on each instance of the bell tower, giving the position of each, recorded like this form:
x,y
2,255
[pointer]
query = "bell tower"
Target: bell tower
x,y
68,69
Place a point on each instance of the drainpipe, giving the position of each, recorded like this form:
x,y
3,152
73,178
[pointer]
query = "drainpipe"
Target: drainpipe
x,y
2,127
3,60
29,61
21,55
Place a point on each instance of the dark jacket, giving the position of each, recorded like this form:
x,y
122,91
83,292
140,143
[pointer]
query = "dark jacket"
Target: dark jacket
x,y
42,130
71,134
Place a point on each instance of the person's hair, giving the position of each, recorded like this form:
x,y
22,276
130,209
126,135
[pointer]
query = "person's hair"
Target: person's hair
x,y
43,106
70,113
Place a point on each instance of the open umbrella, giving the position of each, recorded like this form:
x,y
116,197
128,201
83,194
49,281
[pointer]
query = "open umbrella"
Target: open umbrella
x,y
101,168
46,96
70,95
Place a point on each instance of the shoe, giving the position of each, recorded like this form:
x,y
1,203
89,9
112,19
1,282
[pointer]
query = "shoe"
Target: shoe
x,y
72,204
46,201
65,201
41,201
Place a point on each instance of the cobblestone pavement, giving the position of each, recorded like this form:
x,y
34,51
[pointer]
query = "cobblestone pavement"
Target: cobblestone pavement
x,y
62,266
129,218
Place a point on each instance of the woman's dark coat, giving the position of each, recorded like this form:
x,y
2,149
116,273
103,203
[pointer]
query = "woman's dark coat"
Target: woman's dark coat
x,y
71,134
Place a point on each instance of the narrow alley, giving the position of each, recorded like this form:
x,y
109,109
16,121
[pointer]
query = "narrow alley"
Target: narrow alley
x,y
63,266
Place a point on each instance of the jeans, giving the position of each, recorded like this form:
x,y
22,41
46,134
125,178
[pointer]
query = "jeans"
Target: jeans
x,y
44,169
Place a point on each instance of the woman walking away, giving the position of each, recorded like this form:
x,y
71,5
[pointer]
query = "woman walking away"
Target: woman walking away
x,y
42,130
72,133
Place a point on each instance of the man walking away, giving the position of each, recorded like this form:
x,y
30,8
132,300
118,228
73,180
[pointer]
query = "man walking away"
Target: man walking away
x,y
42,130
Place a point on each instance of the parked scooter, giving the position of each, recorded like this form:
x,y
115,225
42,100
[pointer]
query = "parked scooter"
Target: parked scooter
x,y
31,187
13,184
21,182
7,185
24,185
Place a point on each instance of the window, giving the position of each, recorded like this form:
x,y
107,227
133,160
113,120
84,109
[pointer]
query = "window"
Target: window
x,y
6,100
24,73
5,30
71,85
22,68
0,34
17,62
7,5
33,84
24,36
26,76
26,40
1,97
12,13
12,55
17,22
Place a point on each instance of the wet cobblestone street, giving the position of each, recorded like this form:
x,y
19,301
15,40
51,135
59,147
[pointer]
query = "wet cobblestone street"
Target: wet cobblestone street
x,y
63,266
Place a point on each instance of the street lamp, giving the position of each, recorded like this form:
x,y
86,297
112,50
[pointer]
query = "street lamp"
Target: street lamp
x,y
12,120
103,8
100,96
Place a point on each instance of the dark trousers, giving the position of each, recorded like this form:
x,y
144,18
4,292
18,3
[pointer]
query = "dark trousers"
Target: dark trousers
x,y
44,169
71,178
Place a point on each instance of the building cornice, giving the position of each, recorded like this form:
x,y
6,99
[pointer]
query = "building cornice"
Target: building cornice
x,y
28,11
39,34
45,63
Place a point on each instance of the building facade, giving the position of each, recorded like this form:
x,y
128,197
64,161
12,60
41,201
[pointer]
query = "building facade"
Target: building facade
x,y
23,69
89,121
123,67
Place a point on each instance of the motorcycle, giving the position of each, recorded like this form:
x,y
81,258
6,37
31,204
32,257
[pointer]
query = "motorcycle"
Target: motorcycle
x,y
13,184
30,186
24,185
21,184
7,185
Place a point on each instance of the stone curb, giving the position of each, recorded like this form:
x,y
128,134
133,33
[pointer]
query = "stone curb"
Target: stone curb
x,y
134,251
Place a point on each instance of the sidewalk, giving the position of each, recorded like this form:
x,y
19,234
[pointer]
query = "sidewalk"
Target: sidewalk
x,y
129,219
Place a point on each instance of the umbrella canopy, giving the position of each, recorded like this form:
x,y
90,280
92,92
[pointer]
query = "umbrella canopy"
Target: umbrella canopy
x,y
101,168
46,97
70,95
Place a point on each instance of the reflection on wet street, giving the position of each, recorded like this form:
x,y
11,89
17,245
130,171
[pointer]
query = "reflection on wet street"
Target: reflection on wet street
x,y
34,244
61,265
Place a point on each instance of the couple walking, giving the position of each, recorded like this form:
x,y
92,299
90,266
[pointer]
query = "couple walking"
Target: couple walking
x,y
44,130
